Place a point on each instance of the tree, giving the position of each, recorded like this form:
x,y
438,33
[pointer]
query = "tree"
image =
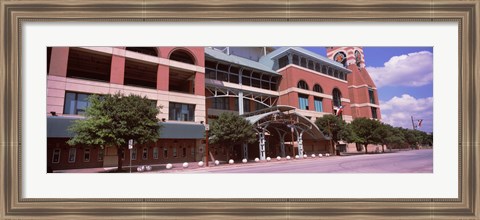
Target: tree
x,y
231,129
336,128
364,129
383,134
112,120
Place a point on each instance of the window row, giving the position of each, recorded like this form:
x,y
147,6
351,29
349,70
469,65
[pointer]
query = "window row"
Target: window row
x,y
90,65
234,74
303,85
72,155
223,103
303,103
310,64
182,152
76,104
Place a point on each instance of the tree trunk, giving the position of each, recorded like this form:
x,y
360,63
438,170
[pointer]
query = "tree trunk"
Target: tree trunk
x,y
119,155
366,148
383,148
333,147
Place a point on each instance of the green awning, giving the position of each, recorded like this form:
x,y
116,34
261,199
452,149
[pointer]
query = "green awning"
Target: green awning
x,y
57,127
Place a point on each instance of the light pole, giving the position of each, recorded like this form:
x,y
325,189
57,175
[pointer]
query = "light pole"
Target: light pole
x,y
130,147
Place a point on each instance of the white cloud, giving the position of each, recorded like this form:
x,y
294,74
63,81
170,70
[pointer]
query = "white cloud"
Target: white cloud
x,y
413,69
398,111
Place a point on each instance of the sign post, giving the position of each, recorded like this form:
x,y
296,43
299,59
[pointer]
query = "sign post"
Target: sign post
x,y
130,147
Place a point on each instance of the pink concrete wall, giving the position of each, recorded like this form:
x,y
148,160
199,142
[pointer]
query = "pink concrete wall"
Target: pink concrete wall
x,y
117,70
59,61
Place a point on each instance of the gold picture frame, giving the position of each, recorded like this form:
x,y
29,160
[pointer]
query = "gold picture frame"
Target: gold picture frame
x,y
465,13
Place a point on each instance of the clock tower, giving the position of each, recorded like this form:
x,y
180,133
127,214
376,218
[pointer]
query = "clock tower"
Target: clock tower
x,y
362,89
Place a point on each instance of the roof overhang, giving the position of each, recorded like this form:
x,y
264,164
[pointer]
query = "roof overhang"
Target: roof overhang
x,y
57,127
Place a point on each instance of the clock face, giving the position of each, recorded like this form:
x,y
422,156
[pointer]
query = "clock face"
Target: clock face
x,y
339,57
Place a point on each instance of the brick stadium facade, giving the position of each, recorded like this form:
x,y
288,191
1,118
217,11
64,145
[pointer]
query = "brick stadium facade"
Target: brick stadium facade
x,y
188,81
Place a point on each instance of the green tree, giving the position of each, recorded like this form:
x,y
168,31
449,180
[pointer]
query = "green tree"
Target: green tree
x,y
231,129
364,129
397,139
335,128
412,137
112,120
383,135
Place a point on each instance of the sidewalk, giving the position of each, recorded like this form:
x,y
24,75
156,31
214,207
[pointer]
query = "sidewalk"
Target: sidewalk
x,y
178,167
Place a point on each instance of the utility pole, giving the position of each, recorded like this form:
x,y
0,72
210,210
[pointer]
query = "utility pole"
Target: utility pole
x,y
413,124
207,127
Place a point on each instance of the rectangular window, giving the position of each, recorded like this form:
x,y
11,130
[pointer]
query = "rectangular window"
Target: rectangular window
x,y
134,153
181,112
86,155
165,152
145,153
56,156
184,152
221,103
372,97
174,152
246,105
75,103
374,112
155,153
318,104
100,154
72,153
283,61
303,101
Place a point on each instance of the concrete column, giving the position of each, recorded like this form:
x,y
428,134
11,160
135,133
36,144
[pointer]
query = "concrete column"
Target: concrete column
x,y
261,144
59,61
117,71
240,103
163,76
282,145
300,143
200,83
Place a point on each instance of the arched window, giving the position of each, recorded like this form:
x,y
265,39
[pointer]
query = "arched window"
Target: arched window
x,y
337,97
302,85
152,51
182,56
317,88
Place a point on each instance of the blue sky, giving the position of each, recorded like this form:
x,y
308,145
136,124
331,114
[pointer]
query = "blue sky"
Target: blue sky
x,y
404,79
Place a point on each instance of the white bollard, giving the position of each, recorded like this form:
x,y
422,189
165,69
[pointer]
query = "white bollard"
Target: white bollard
x,y
313,155
230,161
279,158
327,155
140,168
200,164
288,157
268,159
320,155
256,159
148,168
169,166
244,161
296,156
185,165
217,162
305,156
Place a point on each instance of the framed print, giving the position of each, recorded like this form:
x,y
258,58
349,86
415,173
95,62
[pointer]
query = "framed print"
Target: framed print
x,y
135,43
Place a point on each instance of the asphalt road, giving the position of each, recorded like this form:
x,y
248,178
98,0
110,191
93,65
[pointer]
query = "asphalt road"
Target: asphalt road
x,y
414,161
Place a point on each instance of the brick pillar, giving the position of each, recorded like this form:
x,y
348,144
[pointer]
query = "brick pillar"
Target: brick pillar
x,y
59,61
117,70
200,83
163,77
311,104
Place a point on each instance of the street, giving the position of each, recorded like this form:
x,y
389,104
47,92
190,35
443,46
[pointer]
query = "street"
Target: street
x,y
414,161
